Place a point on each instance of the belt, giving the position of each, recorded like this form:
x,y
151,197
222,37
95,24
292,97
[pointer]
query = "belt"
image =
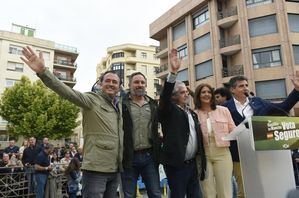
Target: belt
x,y
189,161
142,151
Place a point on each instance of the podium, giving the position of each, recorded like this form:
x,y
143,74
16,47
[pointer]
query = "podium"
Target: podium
x,y
266,174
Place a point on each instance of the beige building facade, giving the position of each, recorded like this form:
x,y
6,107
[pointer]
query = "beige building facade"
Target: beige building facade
x,y
58,58
218,39
129,58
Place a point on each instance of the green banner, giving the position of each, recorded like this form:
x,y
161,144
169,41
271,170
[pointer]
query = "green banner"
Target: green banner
x,y
275,133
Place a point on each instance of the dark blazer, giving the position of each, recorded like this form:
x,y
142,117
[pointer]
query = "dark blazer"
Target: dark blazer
x,y
128,130
175,128
260,107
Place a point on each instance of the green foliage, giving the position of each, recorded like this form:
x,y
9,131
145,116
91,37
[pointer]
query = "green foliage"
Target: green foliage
x,y
31,109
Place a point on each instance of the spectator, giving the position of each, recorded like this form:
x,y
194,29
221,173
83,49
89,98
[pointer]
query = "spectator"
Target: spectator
x,y
30,152
73,151
55,162
222,95
12,148
5,162
22,148
64,162
42,169
79,154
74,177
45,142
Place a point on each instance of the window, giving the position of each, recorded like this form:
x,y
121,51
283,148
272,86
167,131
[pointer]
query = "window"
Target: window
x,y
118,55
294,22
204,70
12,66
183,75
117,66
264,89
182,51
179,31
262,26
296,54
202,43
201,18
10,82
143,55
266,57
46,55
251,3
14,49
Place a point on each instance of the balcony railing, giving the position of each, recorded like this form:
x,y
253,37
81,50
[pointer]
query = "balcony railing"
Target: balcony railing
x,y
234,40
71,79
162,68
160,48
227,13
65,62
233,71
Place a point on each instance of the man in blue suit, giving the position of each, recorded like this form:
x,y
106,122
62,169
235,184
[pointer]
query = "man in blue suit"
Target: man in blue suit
x,y
242,106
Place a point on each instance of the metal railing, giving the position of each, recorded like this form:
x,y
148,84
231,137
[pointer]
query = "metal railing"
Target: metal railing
x,y
233,71
65,62
160,48
227,13
162,68
16,182
233,40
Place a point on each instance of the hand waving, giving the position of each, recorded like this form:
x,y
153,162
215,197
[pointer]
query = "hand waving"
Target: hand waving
x,y
175,62
295,80
36,63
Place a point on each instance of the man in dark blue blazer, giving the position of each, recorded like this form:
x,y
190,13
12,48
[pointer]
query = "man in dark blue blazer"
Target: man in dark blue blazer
x,y
242,106
182,138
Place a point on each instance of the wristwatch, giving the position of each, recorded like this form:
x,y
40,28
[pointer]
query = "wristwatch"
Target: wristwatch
x,y
46,168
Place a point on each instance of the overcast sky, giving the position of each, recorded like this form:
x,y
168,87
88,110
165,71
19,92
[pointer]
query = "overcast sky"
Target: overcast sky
x,y
89,25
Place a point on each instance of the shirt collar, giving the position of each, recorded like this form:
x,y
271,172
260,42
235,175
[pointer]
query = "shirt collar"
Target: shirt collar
x,y
239,103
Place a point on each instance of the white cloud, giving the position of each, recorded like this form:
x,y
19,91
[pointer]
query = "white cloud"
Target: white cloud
x,y
89,25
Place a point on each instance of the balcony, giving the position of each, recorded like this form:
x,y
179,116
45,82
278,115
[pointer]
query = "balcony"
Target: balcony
x,y
161,52
230,46
161,69
232,71
65,64
228,17
67,79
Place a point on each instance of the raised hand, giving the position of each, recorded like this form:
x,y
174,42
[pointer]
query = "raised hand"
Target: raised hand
x,y
295,81
175,62
36,63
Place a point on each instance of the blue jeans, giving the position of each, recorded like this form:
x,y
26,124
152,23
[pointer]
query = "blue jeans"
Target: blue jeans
x,y
99,185
183,181
41,181
143,164
30,175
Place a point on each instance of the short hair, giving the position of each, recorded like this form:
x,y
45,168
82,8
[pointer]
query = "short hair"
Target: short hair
x,y
233,80
101,78
196,99
135,74
177,85
224,92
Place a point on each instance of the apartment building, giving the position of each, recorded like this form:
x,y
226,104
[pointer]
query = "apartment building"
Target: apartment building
x,y
129,58
58,58
218,39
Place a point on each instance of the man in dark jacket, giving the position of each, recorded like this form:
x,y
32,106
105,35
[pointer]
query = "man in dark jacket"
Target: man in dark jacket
x,y
182,137
141,140
242,106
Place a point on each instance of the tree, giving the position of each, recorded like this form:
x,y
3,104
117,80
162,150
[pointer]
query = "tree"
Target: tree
x,y
31,109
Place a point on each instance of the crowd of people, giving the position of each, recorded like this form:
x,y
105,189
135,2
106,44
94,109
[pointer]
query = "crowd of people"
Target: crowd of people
x,y
40,160
121,137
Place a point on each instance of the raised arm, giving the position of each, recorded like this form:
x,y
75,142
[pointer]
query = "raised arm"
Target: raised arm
x,y
165,98
37,64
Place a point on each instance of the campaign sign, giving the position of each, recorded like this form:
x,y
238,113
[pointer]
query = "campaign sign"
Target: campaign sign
x,y
275,133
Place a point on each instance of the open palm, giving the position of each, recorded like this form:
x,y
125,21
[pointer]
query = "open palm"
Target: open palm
x,y
36,63
175,62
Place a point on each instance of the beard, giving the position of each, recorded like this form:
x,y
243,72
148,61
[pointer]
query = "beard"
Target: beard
x,y
138,92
